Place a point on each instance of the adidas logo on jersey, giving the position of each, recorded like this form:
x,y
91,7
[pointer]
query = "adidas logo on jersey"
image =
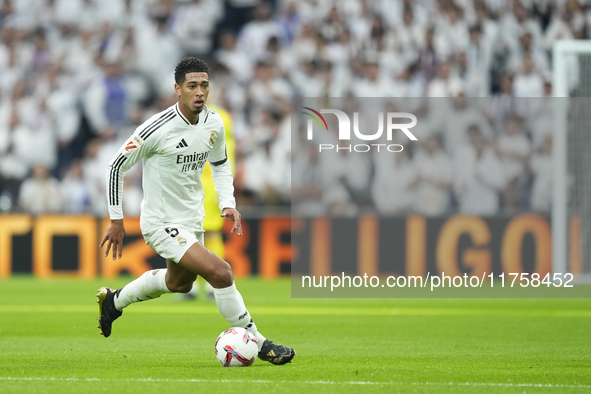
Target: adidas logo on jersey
x,y
182,144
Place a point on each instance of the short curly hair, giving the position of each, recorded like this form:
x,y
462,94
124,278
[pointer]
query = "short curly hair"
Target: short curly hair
x,y
189,65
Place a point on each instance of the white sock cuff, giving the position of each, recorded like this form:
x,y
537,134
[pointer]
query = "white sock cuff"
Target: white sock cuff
x,y
162,276
260,339
157,280
225,293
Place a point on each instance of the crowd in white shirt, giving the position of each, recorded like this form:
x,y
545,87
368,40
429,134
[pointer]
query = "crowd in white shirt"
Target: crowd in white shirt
x,y
471,156
77,76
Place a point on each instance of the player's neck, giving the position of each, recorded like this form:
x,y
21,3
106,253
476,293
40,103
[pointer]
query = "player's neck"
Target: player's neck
x,y
192,118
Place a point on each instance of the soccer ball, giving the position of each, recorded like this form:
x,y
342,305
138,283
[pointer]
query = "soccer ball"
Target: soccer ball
x,y
236,347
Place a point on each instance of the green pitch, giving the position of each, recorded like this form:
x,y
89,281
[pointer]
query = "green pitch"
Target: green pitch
x,y
49,343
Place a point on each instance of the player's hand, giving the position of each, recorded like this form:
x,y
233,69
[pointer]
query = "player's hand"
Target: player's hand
x,y
114,235
233,215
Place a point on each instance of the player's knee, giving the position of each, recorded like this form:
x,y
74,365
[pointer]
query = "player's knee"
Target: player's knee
x,y
184,288
222,276
179,287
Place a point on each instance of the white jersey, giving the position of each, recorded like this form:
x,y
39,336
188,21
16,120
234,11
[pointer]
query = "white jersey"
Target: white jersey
x,y
173,153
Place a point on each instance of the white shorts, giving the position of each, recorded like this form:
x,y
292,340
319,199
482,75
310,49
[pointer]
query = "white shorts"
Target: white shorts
x,y
172,241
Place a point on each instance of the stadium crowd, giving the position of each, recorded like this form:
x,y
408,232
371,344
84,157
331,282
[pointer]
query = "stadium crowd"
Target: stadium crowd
x,y
78,76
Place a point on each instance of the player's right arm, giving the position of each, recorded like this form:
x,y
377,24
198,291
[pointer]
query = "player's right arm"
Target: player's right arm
x,y
136,147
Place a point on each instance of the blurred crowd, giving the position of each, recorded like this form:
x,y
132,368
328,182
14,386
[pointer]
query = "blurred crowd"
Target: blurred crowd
x,y
78,76
481,156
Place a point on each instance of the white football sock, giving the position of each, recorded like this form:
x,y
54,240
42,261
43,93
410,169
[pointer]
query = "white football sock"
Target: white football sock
x,y
260,339
231,306
150,285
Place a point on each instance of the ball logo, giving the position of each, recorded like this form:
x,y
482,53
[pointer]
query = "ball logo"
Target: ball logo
x,y
344,131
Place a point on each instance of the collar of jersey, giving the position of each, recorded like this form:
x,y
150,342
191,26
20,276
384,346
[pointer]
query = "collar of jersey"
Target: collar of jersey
x,y
203,113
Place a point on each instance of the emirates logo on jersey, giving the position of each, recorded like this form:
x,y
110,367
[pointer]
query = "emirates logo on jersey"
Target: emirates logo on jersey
x,y
211,139
192,162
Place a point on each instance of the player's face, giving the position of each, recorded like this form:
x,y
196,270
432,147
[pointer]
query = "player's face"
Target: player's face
x,y
194,91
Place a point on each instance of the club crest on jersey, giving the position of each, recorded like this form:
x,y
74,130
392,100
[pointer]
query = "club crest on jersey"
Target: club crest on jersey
x,y
211,139
182,241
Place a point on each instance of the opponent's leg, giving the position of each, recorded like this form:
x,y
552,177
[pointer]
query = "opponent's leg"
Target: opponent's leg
x,y
218,273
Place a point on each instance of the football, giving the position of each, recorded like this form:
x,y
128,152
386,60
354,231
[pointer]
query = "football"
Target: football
x,y
236,347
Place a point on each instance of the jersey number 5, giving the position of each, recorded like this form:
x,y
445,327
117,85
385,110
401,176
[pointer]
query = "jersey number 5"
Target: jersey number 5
x,y
173,232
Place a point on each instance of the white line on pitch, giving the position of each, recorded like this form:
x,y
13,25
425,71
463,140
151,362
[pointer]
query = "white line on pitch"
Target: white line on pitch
x,y
540,385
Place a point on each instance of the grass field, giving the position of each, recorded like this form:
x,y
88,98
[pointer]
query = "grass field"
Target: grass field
x,y
49,343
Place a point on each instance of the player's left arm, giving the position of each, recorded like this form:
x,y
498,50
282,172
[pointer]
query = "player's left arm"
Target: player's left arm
x,y
233,215
221,172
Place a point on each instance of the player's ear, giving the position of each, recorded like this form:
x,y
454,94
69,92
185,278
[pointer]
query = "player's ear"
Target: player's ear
x,y
177,88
